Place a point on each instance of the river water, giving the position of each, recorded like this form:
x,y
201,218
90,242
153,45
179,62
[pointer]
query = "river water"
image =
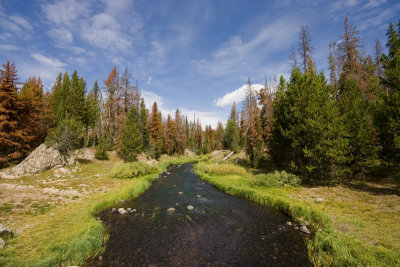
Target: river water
x,y
221,230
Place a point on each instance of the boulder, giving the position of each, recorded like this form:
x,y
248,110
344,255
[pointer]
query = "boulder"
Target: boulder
x,y
4,231
189,153
43,158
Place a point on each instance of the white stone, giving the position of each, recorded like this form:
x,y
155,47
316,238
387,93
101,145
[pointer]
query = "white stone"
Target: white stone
x,y
304,229
171,210
189,207
122,211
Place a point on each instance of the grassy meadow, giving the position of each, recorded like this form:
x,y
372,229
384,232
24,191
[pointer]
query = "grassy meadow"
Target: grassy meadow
x,y
354,225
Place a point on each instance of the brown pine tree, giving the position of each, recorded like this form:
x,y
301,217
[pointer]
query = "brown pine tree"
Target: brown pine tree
x,y
180,137
155,132
219,136
265,100
199,137
12,135
305,49
253,131
33,112
170,131
112,105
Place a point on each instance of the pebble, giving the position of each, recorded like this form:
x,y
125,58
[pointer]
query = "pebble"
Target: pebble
x,y
198,196
189,207
289,223
100,258
122,211
180,193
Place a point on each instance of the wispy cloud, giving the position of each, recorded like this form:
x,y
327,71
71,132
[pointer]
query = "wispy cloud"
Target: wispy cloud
x,y
49,62
149,80
9,47
61,35
237,95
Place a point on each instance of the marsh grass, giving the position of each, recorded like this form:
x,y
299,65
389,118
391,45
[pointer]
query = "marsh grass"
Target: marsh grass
x,y
329,246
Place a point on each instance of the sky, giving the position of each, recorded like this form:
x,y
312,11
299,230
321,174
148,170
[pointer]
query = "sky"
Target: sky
x,y
194,55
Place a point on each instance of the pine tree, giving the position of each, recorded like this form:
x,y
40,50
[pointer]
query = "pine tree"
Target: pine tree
x,y
231,138
131,137
76,101
387,116
93,103
254,144
112,104
180,133
308,134
305,49
199,138
31,95
143,124
170,131
59,98
265,100
12,135
155,132
219,136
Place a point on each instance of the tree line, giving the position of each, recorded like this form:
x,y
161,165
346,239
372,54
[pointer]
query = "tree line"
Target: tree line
x,y
318,128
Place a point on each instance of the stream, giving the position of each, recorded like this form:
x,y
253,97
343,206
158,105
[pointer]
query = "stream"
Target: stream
x,y
220,230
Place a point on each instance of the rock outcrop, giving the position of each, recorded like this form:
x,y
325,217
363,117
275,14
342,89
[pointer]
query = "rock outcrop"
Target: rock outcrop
x,y
43,158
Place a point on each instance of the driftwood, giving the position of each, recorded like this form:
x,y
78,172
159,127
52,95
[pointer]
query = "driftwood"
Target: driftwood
x,y
228,156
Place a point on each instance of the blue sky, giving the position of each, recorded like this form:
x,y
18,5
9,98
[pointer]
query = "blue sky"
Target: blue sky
x,y
191,55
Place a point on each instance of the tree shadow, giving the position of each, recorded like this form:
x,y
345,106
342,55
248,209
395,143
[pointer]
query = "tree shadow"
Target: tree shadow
x,y
375,188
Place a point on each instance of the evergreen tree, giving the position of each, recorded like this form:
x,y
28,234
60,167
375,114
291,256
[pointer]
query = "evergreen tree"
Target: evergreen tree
x,y
219,136
155,132
387,116
265,100
143,123
180,133
231,138
308,134
12,135
170,131
93,103
76,100
254,144
131,137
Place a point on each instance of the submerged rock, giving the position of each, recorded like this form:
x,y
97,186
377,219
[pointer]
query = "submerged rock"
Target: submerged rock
x,y
122,211
189,207
170,210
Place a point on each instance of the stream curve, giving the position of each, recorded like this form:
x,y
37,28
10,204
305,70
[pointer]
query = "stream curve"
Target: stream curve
x,y
220,230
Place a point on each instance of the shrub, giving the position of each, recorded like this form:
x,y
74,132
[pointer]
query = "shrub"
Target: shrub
x,y
226,168
101,149
67,136
276,179
132,169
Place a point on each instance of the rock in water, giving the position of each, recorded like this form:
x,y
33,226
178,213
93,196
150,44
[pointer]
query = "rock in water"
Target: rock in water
x,y
189,207
170,210
304,229
122,211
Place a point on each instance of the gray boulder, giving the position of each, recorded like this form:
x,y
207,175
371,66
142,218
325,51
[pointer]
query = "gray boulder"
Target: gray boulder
x,y
4,231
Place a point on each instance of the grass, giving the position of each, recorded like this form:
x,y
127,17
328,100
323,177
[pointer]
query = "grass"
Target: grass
x,y
352,228
67,232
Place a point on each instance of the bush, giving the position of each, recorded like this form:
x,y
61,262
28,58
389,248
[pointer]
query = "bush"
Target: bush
x,y
67,136
132,169
276,179
101,149
226,168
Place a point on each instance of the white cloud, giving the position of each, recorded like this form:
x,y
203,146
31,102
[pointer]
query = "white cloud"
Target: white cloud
x,y
65,12
104,32
374,3
9,47
21,22
237,95
61,35
149,80
49,62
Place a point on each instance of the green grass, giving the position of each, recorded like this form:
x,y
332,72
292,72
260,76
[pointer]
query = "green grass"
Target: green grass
x,y
70,234
329,246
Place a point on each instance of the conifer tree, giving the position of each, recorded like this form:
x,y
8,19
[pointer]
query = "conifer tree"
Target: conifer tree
x,y
387,116
305,49
170,131
76,101
180,133
199,138
12,135
254,144
265,100
143,123
131,137
231,138
308,134
112,104
219,136
94,103
155,132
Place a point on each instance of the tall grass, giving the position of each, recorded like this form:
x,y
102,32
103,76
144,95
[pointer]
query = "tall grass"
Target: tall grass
x,y
328,247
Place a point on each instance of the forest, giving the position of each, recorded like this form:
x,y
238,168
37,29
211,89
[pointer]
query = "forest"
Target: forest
x,y
327,130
